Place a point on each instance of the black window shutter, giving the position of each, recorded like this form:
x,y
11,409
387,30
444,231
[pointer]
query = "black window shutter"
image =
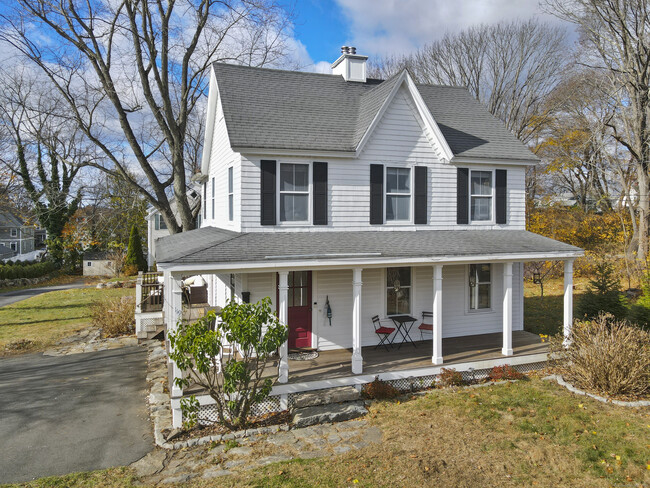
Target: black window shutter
x,y
376,193
319,175
421,184
501,178
462,196
267,197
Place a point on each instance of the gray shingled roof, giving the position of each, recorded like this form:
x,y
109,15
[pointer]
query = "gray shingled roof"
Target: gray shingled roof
x,y
211,245
276,109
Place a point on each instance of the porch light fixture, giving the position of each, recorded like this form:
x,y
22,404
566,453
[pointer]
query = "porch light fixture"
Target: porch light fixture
x,y
537,278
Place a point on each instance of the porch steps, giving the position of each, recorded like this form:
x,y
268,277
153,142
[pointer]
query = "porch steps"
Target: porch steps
x,y
326,406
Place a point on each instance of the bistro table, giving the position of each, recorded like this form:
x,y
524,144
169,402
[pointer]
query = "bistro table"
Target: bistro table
x,y
403,323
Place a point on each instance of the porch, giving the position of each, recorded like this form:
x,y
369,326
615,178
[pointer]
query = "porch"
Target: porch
x,y
457,350
332,368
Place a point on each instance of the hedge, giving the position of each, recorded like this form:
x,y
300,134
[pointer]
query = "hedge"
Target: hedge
x,y
13,272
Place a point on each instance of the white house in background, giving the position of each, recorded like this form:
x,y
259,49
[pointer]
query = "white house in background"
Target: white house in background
x,y
375,197
157,228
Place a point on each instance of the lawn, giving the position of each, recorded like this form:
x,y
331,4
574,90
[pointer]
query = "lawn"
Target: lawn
x,y
545,315
531,433
51,316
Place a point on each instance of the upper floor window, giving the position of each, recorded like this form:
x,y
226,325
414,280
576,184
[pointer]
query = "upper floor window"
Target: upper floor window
x,y
213,198
481,190
398,194
398,291
160,222
14,232
230,195
205,199
480,283
294,192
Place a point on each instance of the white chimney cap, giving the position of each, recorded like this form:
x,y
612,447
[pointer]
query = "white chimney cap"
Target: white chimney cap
x,y
350,65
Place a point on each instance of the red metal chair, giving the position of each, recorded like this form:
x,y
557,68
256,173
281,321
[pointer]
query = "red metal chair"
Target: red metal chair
x,y
382,331
427,324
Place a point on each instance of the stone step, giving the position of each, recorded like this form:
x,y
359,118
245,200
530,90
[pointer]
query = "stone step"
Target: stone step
x,y
323,397
333,412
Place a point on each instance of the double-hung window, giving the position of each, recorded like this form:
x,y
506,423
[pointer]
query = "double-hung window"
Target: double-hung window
x,y
398,291
160,223
230,195
205,200
481,192
398,194
213,198
480,283
14,232
294,192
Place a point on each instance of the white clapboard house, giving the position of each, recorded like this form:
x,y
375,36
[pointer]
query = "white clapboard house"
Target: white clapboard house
x,y
363,197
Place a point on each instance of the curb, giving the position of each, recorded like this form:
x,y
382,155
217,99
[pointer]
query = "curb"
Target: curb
x,y
560,381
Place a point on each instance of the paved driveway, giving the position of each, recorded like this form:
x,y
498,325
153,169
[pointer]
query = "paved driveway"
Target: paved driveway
x,y
10,297
72,413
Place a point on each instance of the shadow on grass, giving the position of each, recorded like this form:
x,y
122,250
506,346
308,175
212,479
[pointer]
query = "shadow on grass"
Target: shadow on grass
x,y
545,315
43,321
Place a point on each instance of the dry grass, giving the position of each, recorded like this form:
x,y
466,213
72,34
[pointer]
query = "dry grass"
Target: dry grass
x,y
532,433
606,356
47,318
114,316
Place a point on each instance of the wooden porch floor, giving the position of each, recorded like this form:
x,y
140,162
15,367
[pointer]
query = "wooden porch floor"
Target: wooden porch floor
x,y
337,363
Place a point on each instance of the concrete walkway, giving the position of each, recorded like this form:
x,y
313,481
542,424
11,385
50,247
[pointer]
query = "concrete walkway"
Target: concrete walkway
x,y
18,295
73,413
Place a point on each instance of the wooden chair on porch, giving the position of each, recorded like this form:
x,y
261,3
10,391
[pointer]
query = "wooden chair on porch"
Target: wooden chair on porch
x,y
427,324
382,331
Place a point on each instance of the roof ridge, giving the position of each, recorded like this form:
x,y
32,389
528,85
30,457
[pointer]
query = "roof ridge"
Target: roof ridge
x,y
218,63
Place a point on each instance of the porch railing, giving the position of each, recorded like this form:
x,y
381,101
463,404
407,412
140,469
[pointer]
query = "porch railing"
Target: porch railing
x,y
149,292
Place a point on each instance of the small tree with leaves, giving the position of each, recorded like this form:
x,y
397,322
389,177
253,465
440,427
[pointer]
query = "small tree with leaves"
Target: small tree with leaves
x,y
235,382
134,256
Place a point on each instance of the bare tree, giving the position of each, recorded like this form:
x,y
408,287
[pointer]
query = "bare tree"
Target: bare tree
x,y
510,67
41,148
615,37
133,72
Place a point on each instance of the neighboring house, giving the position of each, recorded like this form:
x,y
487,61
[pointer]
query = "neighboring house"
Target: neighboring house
x,y
373,197
97,263
5,252
40,238
15,234
156,226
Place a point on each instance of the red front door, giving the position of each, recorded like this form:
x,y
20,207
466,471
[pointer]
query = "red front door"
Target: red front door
x,y
299,297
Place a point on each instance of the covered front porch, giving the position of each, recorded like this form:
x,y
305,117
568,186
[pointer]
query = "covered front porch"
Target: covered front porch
x,y
467,285
335,363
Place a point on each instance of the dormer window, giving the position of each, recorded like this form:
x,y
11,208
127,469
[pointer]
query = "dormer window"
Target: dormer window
x,y
398,194
294,192
481,193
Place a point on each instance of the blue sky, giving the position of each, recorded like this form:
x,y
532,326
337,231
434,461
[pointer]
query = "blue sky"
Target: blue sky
x,y
384,27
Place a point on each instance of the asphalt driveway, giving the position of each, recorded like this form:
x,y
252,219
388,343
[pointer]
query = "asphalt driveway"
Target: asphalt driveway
x,y
10,297
73,413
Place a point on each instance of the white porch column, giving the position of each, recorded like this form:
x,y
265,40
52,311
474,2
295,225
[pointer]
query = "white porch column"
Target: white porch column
x,y
568,300
283,315
507,310
357,359
437,314
175,316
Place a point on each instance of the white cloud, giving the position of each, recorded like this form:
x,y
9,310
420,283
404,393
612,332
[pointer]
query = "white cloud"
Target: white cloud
x,y
382,27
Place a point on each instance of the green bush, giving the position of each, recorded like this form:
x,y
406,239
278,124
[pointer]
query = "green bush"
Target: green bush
x,y
36,270
603,295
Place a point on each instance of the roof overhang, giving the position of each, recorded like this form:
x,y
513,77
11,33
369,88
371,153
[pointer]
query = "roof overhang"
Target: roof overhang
x,y
352,262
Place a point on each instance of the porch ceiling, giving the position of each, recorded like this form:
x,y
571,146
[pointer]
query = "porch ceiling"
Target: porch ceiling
x,y
212,248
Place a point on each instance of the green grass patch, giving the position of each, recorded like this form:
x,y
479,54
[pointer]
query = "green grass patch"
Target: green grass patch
x,y
46,318
107,478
